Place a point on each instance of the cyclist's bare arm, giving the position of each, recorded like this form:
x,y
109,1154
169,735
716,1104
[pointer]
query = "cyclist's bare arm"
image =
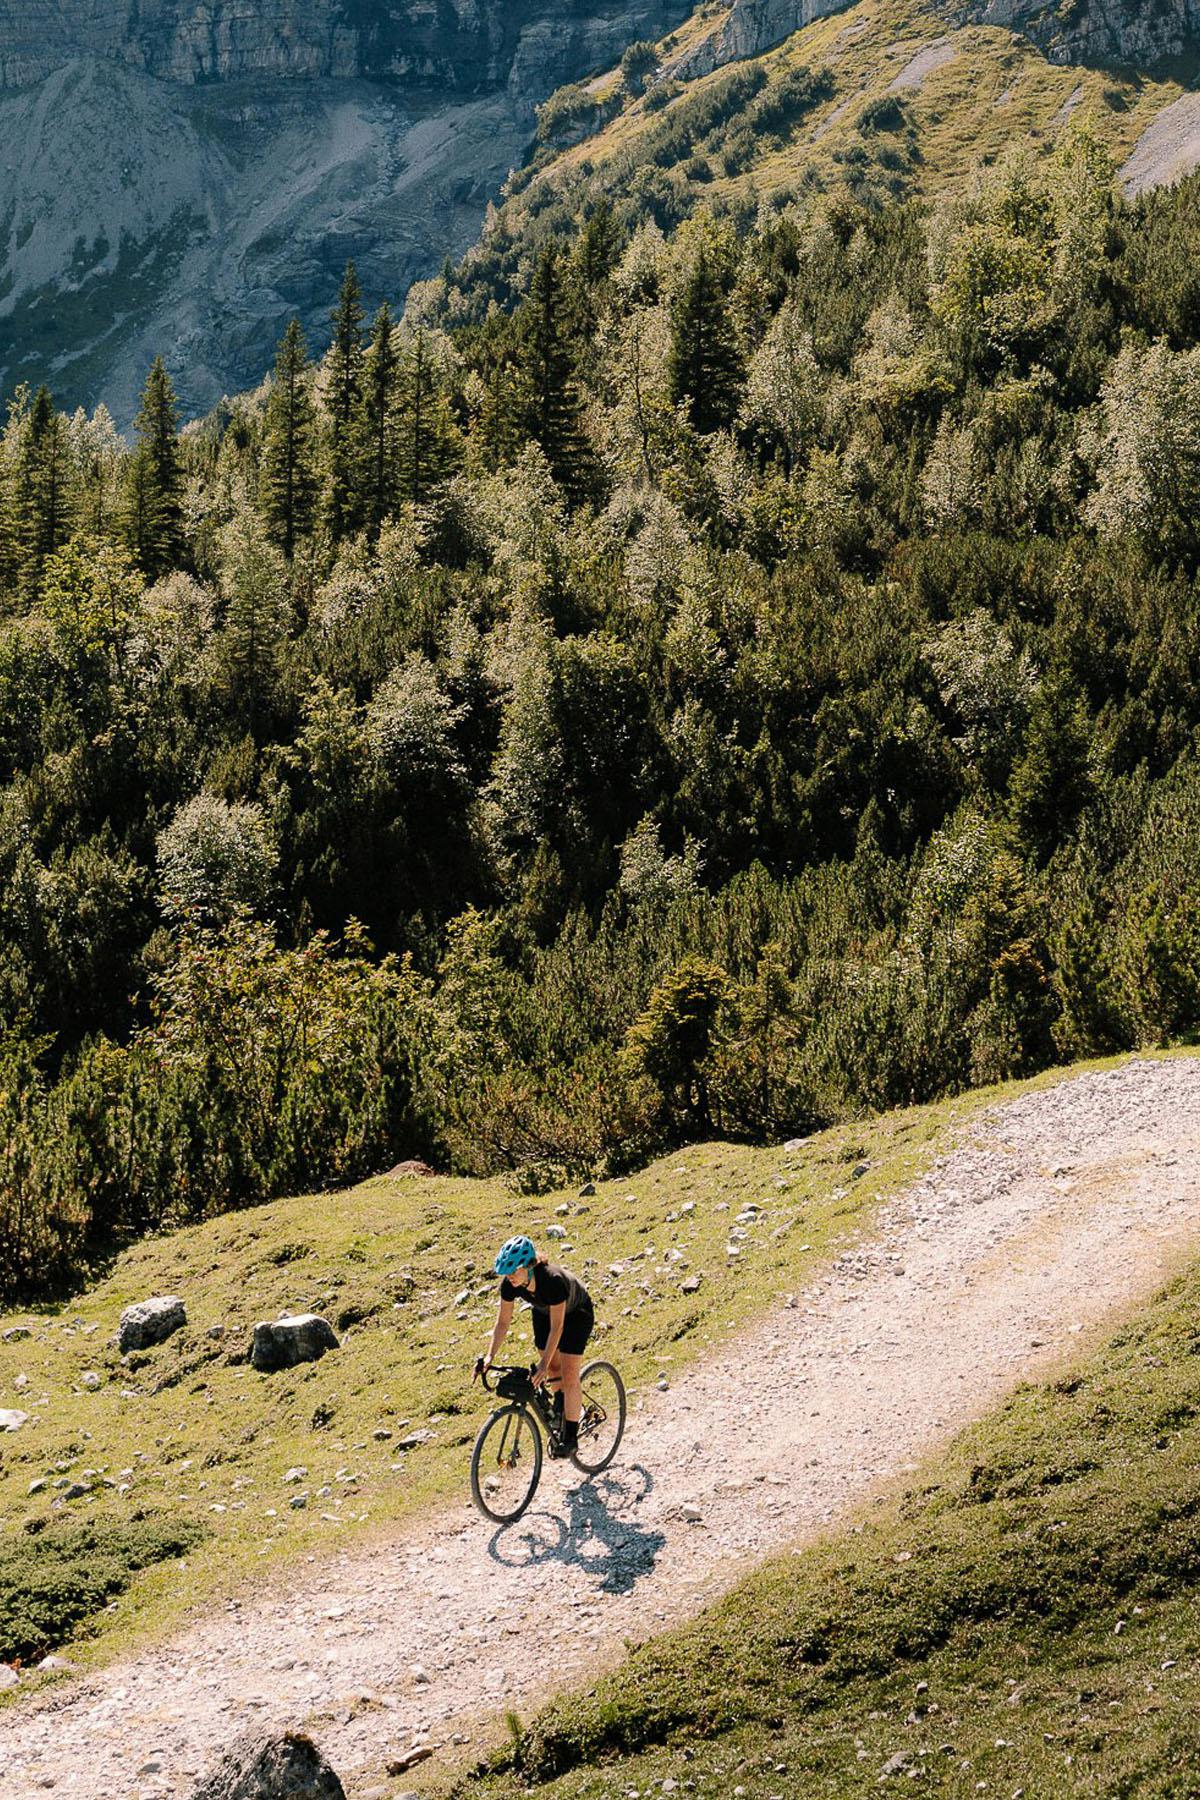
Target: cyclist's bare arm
x,y
558,1318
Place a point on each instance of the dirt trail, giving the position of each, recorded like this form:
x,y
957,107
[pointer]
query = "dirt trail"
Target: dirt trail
x,y
1065,1207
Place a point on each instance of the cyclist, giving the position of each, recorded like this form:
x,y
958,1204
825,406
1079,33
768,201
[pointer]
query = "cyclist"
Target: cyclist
x,y
563,1320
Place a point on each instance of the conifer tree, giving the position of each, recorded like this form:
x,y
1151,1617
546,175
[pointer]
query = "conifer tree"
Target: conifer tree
x,y
154,483
288,475
426,431
596,256
343,503
704,368
42,500
377,429
553,408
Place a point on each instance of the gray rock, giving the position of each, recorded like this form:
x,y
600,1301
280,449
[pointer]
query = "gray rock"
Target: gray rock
x,y
150,1322
691,1285
588,1189
274,1765
8,1676
282,1343
11,1419
15,1333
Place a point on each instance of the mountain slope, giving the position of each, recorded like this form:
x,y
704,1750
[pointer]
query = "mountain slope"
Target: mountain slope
x,y
185,183
884,98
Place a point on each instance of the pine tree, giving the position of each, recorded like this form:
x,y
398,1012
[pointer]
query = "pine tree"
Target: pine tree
x,y
343,500
553,408
426,430
254,587
596,256
154,484
377,427
42,494
288,475
704,369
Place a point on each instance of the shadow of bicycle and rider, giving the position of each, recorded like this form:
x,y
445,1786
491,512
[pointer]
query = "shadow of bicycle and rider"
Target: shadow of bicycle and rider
x,y
596,1534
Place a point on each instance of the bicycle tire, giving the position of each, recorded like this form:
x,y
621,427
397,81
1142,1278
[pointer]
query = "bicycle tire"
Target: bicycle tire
x,y
595,1465
520,1419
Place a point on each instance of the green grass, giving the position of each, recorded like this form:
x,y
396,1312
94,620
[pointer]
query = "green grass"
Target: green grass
x,y
189,1435
1022,1620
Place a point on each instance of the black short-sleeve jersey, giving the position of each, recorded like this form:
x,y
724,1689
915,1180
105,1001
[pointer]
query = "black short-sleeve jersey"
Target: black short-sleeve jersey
x,y
551,1286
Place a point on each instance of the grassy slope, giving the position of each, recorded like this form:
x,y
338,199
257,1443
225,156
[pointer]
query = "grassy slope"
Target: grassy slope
x,y
1022,1621
196,1439
997,92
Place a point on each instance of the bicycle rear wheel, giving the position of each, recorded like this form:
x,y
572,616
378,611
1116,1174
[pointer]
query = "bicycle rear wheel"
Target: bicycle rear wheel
x,y
602,1423
506,1464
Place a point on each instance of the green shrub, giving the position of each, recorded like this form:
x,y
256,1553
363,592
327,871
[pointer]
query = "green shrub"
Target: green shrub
x,y
53,1581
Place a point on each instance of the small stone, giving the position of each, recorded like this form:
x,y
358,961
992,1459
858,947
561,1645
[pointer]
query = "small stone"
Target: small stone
x,y
556,1231
691,1514
298,1502
563,1210
150,1322
283,1343
8,1676
91,1379
75,1490
419,1674
15,1333
296,1474
408,1759
215,1331
414,1438
795,1143
382,1435
691,1285
12,1420
587,1190
35,1487
895,1765
859,1170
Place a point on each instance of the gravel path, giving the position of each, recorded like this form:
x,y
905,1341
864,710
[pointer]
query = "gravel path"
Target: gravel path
x,y
1065,1206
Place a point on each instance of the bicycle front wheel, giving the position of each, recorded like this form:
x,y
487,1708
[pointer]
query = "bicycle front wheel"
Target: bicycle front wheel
x,y
602,1422
506,1464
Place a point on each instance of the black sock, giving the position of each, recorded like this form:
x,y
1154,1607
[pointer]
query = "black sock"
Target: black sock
x,y
570,1433
559,1402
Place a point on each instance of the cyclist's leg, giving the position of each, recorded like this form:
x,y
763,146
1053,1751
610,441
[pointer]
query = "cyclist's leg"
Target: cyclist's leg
x,y
571,1367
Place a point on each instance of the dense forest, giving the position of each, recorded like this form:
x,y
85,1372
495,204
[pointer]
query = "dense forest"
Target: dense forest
x,y
713,682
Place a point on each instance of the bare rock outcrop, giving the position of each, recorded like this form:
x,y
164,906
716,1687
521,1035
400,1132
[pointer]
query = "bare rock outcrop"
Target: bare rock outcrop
x,y
150,1322
271,1766
283,1343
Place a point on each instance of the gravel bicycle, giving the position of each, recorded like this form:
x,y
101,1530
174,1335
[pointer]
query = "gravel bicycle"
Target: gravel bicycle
x,y
506,1463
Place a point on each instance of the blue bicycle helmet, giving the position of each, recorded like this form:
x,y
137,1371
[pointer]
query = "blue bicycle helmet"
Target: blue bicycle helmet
x,y
518,1253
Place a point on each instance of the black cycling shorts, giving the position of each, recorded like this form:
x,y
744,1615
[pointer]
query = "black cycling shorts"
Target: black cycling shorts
x,y
577,1329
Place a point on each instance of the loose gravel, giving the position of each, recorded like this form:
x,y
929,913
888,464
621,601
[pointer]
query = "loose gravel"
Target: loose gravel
x,y
1063,1209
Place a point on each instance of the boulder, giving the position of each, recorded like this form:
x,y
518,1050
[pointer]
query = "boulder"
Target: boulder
x,y
282,1343
150,1322
413,1166
11,1419
270,1765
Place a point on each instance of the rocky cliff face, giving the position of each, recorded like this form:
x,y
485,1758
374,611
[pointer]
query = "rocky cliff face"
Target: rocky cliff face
x,y
1140,33
182,176
465,46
